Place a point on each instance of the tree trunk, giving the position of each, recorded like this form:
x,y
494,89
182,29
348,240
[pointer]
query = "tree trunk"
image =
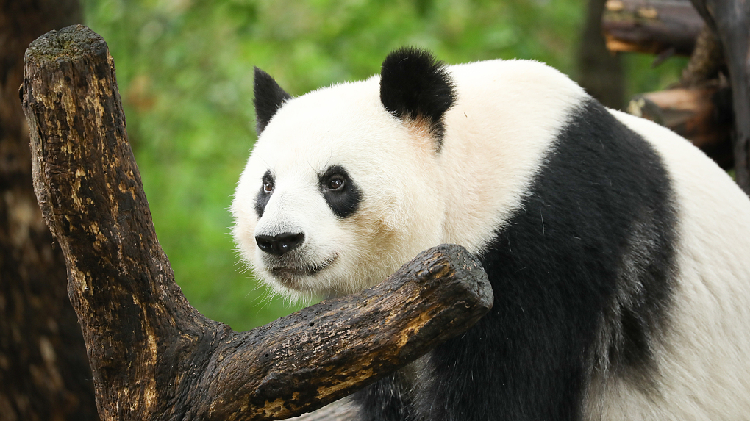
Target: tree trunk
x,y
730,19
152,355
600,71
44,374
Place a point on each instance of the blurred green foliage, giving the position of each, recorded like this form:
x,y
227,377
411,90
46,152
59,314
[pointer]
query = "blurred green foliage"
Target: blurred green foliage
x,y
184,69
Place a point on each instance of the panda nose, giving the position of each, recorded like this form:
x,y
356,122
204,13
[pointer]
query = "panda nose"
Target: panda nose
x,y
280,243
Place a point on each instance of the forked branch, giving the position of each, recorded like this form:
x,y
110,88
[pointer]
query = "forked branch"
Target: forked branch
x,y
155,357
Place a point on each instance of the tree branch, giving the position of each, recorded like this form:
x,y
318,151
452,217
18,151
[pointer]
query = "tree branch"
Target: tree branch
x,y
651,26
152,355
730,19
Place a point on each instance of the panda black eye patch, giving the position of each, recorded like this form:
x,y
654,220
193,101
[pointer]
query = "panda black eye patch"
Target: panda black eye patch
x,y
339,191
264,195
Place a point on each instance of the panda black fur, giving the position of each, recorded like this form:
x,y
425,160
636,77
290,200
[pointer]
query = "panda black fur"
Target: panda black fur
x,y
616,250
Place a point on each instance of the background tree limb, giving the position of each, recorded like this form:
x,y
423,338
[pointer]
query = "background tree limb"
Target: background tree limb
x,y
651,26
730,19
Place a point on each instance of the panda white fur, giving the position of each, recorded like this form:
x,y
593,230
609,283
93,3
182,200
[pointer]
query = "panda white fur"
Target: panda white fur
x,y
618,253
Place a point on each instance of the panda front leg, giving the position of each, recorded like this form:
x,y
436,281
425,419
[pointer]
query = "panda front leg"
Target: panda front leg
x,y
525,360
385,400
483,375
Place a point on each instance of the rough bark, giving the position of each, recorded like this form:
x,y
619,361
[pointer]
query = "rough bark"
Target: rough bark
x,y
44,374
730,19
652,27
707,61
701,114
152,355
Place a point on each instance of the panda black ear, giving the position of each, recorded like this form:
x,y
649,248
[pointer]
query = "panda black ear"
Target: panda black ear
x,y
415,86
269,97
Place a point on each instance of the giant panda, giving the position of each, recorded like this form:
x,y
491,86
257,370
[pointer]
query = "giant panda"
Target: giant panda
x,y
618,253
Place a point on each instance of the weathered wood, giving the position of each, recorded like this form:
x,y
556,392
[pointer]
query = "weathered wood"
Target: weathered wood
x,y
730,19
155,357
701,114
651,26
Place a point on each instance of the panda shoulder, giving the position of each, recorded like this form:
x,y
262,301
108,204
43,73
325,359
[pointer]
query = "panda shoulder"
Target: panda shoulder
x,y
529,76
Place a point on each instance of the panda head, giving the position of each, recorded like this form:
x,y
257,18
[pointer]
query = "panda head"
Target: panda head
x,y
342,186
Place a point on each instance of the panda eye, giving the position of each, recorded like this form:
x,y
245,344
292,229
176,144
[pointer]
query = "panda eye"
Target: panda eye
x,y
336,182
268,185
339,191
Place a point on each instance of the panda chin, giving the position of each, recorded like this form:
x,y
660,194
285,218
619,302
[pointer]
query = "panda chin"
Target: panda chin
x,y
292,274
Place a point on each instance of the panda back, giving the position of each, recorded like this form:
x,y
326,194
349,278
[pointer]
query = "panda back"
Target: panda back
x,y
606,229
701,352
